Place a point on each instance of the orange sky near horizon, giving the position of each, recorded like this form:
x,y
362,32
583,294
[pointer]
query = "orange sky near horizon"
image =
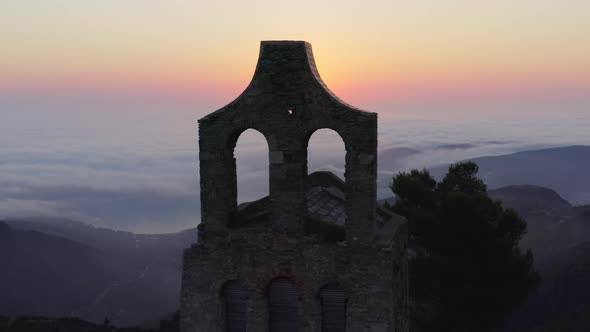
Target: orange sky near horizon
x,y
365,51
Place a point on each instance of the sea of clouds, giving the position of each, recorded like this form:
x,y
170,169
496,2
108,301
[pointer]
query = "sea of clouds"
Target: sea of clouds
x,y
133,165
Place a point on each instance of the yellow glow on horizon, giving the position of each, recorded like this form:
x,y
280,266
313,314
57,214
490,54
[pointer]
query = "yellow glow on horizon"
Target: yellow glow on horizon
x,y
192,43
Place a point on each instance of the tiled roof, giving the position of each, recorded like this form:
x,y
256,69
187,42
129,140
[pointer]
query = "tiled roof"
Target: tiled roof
x,y
326,204
323,205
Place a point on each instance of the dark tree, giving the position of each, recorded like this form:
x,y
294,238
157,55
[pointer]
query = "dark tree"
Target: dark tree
x,y
468,272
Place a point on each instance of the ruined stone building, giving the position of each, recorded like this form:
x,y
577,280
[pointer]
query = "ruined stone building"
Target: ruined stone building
x,y
317,254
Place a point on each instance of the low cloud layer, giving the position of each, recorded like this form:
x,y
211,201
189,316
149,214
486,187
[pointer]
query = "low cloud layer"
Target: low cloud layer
x,y
119,191
139,170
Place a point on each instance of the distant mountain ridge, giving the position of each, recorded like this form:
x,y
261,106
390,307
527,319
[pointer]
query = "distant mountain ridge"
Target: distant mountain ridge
x,y
99,237
563,169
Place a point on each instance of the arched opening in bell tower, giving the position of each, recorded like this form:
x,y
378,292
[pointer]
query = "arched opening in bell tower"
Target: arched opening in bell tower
x,y
326,190
252,175
326,152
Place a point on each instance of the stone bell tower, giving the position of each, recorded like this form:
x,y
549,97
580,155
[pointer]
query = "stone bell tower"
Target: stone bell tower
x,y
317,254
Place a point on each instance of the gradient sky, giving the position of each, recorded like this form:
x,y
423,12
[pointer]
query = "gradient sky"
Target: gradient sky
x,y
99,99
372,53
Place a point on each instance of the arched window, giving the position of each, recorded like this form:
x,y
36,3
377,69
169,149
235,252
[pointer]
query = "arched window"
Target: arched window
x,y
284,308
251,153
333,309
326,191
236,307
326,152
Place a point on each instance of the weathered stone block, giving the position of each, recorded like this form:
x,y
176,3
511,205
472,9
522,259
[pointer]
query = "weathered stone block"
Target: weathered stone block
x,y
276,157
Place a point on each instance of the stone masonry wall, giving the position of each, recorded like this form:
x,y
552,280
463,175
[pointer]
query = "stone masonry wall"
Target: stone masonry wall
x,y
371,278
287,102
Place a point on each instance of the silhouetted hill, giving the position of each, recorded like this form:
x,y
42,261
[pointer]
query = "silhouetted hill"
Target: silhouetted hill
x,y
48,275
563,169
527,197
554,225
559,236
62,268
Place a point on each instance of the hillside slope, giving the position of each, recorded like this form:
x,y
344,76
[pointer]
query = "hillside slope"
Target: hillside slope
x,y
65,268
559,236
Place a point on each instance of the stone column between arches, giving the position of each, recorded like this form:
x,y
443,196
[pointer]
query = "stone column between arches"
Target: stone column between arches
x,y
218,191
